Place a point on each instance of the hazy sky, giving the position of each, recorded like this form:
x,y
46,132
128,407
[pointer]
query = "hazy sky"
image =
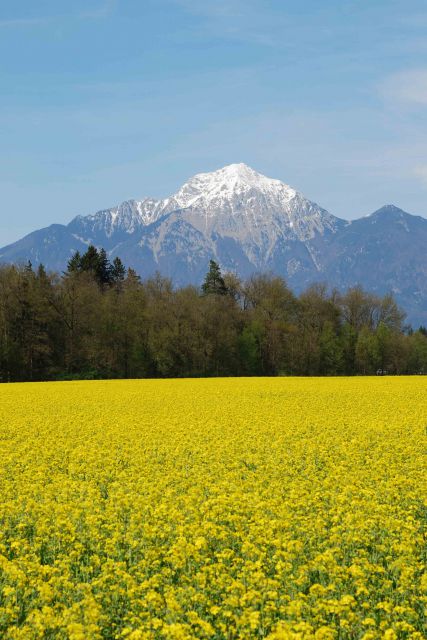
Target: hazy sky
x,y
105,100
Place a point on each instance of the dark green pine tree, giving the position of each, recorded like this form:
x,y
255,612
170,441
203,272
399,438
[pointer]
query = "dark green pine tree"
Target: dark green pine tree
x,y
214,282
74,264
118,271
103,270
90,260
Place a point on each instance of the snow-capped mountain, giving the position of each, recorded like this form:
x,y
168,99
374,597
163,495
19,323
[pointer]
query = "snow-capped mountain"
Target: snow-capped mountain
x,y
243,219
247,222
238,201
235,202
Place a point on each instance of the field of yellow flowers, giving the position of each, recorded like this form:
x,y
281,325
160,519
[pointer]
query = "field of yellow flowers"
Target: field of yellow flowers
x,y
224,508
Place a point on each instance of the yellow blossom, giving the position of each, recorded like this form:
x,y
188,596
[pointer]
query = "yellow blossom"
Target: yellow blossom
x,y
285,508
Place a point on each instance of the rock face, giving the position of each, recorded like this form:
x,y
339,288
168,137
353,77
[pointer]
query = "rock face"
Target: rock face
x,y
385,252
248,223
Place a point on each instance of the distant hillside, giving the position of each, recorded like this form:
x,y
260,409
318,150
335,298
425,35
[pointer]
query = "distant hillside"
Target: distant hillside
x,y
248,223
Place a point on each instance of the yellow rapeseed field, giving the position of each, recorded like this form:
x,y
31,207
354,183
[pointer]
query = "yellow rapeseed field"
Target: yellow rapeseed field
x,y
226,508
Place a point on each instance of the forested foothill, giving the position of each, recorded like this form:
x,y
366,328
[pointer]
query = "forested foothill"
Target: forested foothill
x,y
99,320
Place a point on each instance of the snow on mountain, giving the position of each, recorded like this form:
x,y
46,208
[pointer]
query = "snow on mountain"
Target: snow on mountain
x,y
247,222
235,201
242,218
240,202
228,186
109,225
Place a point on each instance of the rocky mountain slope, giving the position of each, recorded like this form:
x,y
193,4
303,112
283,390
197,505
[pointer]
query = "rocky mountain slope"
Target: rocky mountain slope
x,y
248,223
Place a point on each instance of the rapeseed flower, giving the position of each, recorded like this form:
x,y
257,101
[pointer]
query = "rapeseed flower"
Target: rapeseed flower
x,y
287,509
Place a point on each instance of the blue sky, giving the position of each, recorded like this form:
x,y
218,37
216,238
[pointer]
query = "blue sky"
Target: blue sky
x,y
104,100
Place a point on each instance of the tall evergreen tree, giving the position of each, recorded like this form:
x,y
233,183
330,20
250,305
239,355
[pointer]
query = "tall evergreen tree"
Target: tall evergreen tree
x,y
79,326
90,260
74,264
103,271
118,271
214,282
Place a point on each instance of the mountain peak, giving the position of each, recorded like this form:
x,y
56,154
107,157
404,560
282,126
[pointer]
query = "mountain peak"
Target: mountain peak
x,y
237,168
223,185
238,172
388,209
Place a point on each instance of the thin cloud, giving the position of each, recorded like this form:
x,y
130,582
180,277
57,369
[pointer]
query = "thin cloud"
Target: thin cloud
x,y
237,20
24,22
220,9
103,10
408,87
420,172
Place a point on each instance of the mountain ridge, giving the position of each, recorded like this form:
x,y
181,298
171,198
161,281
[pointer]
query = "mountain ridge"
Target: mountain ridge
x,y
247,222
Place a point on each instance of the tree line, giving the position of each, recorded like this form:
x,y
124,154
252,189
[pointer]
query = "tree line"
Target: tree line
x,y
99,320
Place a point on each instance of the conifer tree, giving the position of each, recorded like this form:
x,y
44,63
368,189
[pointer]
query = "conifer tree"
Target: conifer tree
x,y
53,327
214,282
103,270
74,264
90,260
118,270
